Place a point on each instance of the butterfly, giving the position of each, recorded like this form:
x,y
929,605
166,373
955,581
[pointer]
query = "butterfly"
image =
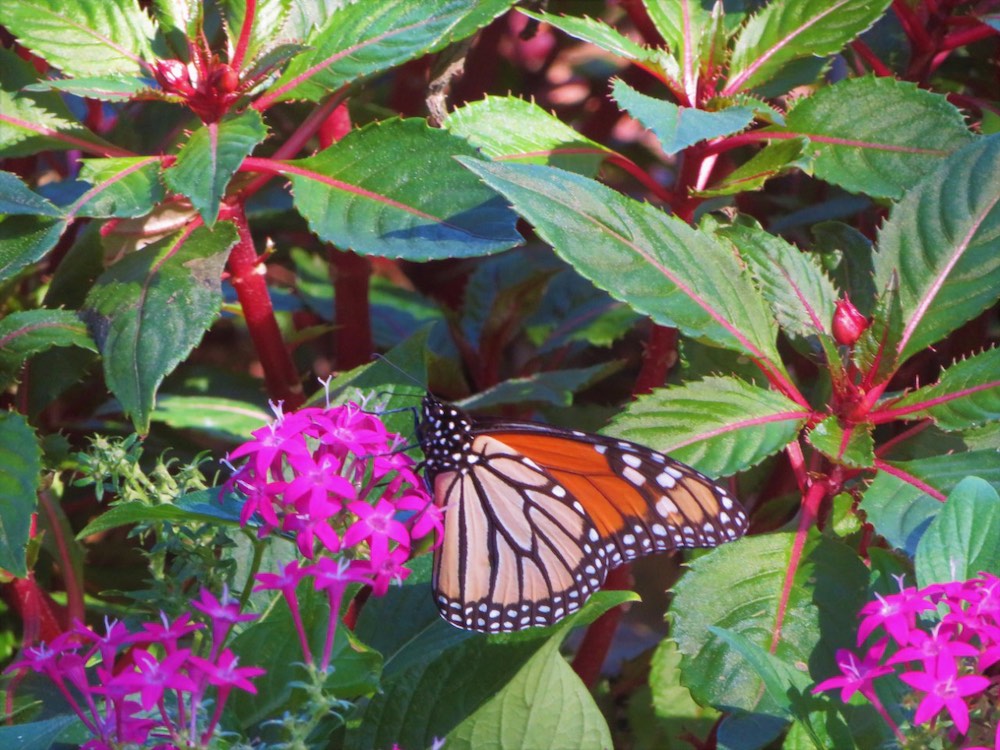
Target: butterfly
x,y
535,516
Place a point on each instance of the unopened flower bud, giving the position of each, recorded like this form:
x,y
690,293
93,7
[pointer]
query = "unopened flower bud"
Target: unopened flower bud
x,y
172,75
225,79
848,323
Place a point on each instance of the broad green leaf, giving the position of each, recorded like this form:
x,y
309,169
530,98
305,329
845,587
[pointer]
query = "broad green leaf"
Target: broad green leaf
x,y
21,459
108,88
877,136
897,505
394,189
37,735
683,25
875,352
554,387
943,239
792,281
211,157
719,425
150,309
16,198
195,508
852,447
221,418
679,127
33,122
84,38
671,699
775,159
656,263
544,705
738,587
371,36
25,240
966,395
123,188
511,129
269,16
179,18
595,32
23,334
786,30
963,539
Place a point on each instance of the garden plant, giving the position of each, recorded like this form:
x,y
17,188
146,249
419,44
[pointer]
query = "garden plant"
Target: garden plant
x,y
240,240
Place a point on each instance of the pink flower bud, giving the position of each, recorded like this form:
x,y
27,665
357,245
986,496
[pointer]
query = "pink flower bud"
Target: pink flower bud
x,y
848,323
172,75
225,79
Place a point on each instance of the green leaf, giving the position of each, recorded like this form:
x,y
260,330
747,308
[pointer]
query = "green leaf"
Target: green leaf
x,y
17,199
33,122
107,88
788,30
846,254
900,509
719,425
774,160
393,189
83,38
37,735
683,26
25,240
371,36
942,240
656,263
21,458
877,136
221,418
679,127
852,447
553,387
211,157
963,540
149,310
829,587
269,17
966,395
194,508
671,699
512,129
122,188
595,32
23,334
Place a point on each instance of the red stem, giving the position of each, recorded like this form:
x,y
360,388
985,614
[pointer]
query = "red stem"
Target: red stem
x,y
248,279
643,177
912,26
865,52
249,16
966,36
596,641
71,575
353,331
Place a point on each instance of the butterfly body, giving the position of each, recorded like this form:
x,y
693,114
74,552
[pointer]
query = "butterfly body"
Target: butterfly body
x,y
536,516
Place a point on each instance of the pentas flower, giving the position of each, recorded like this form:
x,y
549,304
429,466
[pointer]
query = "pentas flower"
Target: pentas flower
x,y
941,637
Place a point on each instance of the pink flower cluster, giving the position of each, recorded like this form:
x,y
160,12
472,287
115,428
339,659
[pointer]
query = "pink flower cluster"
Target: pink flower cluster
x,y
944,639
130,688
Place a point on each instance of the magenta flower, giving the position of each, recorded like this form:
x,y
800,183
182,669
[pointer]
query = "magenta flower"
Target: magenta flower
x,y
152,677
225,673
945,689
224,613
857,675
168,634
895,612
378,526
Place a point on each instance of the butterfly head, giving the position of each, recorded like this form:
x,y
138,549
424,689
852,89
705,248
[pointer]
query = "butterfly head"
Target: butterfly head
x,y
445,434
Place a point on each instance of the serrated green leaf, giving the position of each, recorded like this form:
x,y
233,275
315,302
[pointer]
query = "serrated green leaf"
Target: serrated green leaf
x,y
178,18
787,30
122,188
684,25
877,136
84,38
21,459
679,127
963,540
16,198
23,334
149,310
818,618
656,263
554,387
269,16
211,157
595,32
966,395
33,122
516,130
899,508
718,425
393,189
853,447
25,240
221,418
108,88
942,240
371,36
775,159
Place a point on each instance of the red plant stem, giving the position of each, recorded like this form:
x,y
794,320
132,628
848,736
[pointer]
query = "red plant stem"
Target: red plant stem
x,y
798,463
353,331
596,641
643,177
75,609
810,510
249,18
889,444
967,36
865,52
247,277
43,619
912,26
660,355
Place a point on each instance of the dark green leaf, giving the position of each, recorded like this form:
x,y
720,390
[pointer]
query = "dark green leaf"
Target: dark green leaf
x,y
679,127
853,447
205,506
211,157
846,254
877,136
656,263
37,735
150,309
555,387
25,240
963,539
221,418
672,700
775,159
718,425
23,334
109,88
393,189
942,241
83,38
122,188
17,199
21,459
